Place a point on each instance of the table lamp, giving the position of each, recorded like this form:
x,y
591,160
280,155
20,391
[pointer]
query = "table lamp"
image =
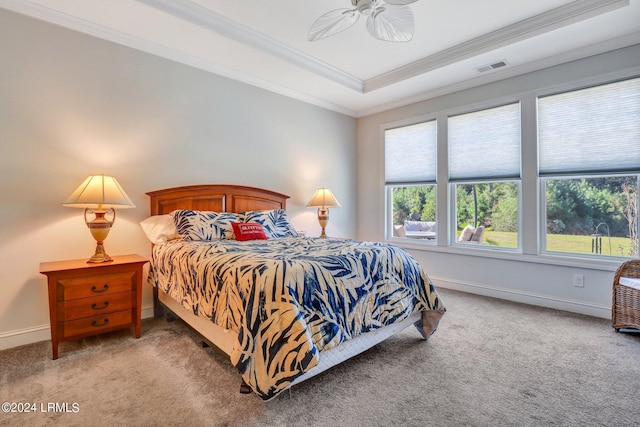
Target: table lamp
x,y
99,195
323,199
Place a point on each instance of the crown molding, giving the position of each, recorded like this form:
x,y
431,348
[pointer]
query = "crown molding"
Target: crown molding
x,y
51,16
208,19
547,21
536,25
192,12
514,71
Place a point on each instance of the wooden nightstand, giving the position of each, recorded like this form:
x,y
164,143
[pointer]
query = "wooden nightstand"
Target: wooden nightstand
x,y
88,299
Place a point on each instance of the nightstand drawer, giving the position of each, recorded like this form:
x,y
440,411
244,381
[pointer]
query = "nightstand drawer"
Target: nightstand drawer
x,y
97,324
94,306
83,287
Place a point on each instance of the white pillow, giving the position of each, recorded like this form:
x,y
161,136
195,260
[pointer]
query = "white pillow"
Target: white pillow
x,y
632,282
159,229
399,231
467,234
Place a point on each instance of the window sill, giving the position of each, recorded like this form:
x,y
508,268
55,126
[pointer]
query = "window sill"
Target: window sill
x,y
561,259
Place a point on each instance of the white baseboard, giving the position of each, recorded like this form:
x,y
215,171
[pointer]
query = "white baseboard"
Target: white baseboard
x,y
24,336
41,333
539,300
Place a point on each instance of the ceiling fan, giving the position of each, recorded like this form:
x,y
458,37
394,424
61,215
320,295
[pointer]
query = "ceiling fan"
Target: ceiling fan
x,y
388,20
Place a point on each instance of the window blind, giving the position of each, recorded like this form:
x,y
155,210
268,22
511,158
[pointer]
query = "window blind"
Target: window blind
x,y
590,130
485,144
410,154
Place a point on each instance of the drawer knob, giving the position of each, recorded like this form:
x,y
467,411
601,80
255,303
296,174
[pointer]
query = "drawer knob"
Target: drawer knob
x,y
96,324
101,307
104,288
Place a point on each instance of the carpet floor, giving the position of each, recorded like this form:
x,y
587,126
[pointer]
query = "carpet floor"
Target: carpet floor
x,y
491,363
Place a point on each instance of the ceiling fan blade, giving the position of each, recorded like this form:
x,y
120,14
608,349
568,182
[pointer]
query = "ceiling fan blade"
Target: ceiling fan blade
x,y
332,23
391,23
400,2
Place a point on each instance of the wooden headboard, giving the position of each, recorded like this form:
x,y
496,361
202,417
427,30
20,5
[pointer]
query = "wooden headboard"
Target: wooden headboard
x,y
218,198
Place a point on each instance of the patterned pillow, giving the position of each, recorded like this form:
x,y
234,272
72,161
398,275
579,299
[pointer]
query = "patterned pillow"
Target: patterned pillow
x,y
275,222
204,225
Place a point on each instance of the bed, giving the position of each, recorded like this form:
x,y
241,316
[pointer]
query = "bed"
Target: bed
x,y
283,307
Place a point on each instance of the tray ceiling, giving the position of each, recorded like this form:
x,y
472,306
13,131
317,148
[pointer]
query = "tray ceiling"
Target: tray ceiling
x,y
457,43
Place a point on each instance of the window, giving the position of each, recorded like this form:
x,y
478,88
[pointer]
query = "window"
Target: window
x,y
410,179
484,171
493,206
592,215
589,163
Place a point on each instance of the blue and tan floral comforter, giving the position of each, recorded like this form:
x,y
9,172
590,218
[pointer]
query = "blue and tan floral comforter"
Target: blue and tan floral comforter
x,y
289,299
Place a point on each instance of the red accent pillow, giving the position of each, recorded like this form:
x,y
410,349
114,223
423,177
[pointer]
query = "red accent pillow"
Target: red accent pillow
x,y
248,231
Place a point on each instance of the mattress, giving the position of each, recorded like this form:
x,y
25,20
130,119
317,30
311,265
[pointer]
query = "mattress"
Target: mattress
x,y
290,301
223,338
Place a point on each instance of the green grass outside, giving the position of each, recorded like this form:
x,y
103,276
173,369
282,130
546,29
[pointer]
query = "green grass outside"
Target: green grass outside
x,y
620,246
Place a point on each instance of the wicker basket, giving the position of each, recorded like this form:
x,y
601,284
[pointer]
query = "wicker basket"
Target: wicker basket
x,y
625,310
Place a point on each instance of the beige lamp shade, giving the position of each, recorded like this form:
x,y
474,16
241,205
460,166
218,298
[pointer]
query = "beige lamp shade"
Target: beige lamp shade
x,y
99,195
99,192
323,198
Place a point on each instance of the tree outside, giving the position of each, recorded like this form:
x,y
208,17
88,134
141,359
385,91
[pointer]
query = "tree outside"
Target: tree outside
x,y
414,203
578,210
606,206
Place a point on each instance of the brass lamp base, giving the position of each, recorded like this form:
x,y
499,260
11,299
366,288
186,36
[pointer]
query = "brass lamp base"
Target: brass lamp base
x,y
323,219
99,227
100,255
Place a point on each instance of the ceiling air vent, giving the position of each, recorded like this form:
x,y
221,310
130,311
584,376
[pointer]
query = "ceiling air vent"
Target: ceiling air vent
x,y
494,66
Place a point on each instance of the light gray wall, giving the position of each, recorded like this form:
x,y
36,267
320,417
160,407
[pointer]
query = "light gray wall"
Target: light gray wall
x,y
525,277
73,105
